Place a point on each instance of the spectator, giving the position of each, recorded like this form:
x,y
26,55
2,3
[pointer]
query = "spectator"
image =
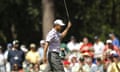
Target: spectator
x,y
83,67
108,64
64,50
98,47
66,65
41,49
33,56
2,61
100,66
16,56
9,47
72,44
74,63
110,47
86,47
92,66
115,40
23,48
116,64
36,68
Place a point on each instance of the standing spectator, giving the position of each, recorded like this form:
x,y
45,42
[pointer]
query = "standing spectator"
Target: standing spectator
x,y
41,49
9,47
2,61
115,40
16,56
33,56
98,47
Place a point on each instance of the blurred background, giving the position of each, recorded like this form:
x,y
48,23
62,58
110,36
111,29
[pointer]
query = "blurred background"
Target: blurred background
x,y
28,20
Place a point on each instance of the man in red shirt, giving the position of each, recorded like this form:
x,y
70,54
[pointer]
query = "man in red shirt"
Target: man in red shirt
x,y
86,47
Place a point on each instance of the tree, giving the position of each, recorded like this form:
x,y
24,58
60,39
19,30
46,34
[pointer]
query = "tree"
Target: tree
x,y
48,15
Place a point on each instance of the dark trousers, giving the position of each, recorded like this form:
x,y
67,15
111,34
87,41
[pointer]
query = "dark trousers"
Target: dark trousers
x,y
54,63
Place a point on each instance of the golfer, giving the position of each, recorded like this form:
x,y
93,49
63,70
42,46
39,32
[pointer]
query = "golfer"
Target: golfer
x,y
53,40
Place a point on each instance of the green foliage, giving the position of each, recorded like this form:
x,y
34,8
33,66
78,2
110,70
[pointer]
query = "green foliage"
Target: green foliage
x,y
89,18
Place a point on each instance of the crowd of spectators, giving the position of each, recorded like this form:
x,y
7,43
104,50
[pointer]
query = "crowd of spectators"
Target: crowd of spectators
x,y
83,56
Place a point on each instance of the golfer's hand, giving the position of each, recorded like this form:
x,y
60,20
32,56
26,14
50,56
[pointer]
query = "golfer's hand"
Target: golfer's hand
x,y
69,24
45,60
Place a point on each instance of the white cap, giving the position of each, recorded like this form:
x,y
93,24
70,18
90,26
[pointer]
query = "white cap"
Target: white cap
x,y
113,52
32,45
15,42
42,41
109,41
59,22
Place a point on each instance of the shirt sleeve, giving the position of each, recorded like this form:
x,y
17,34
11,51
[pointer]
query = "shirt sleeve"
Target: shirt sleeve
x,y
49,37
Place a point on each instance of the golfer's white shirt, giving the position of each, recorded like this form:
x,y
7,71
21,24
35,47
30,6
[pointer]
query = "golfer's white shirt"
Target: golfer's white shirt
x,y
53,38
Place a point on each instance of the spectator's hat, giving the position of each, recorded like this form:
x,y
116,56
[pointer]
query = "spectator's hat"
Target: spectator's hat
x,y
15,42
59,22
32,45
9,45
66,62
114,54
42,41
109,41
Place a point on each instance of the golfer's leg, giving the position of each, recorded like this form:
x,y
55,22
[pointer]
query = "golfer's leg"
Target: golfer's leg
x,y
56,63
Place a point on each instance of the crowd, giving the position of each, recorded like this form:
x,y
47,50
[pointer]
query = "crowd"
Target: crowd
x,y
76,57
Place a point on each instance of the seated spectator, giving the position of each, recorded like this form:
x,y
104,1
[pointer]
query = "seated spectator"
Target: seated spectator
x,y
66,65
33,56
92,66
86,47
72,44
98,47
116,64
82,67
100,66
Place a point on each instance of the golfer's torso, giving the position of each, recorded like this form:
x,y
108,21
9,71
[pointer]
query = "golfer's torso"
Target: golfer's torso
x,y
54,44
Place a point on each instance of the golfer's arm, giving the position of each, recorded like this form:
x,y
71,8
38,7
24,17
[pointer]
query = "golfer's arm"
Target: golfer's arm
x,y
64,33
45,49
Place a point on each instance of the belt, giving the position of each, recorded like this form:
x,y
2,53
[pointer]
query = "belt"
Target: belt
x,y
54,52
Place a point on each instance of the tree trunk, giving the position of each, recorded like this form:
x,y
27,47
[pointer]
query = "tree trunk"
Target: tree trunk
x,y
48,16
